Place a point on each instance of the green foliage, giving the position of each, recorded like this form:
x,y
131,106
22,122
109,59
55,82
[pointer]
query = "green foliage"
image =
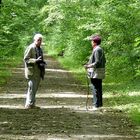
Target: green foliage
x,y
135,115
120,21
65,28
4,74
19,22
136,56
69,23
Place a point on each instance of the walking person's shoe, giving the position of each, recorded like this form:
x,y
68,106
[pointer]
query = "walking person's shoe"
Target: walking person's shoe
x,y
93,108
28,107
35,107
32,107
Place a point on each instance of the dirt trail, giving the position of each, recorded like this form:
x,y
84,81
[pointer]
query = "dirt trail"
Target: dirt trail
x,y
63,115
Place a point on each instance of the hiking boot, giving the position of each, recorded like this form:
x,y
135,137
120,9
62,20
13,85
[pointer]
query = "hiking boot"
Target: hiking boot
x,y
93,109
32,107
35,107
28,107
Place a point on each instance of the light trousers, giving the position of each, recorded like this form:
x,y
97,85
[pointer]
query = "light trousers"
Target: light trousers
x,y
33,84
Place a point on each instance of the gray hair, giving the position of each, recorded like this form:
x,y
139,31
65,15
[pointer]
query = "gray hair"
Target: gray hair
x,y
38,36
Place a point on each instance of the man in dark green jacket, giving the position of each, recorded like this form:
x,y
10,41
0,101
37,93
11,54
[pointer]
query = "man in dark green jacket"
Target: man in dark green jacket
x,y
96,71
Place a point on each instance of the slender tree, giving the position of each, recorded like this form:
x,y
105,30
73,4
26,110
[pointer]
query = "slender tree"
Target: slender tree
x,y
0,3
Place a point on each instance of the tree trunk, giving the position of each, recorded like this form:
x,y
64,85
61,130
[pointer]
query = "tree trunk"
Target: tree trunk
x,y
0,4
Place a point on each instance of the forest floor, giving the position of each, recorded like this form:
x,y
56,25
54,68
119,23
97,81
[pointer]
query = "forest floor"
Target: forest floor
x,y
63,114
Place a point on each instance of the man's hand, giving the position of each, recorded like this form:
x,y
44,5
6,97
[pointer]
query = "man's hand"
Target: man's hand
x,y
39,59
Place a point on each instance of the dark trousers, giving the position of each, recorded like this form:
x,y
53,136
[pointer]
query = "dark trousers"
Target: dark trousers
x,y
97,92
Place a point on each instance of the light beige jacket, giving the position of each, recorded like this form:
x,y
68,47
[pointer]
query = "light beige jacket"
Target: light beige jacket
x,y
31,67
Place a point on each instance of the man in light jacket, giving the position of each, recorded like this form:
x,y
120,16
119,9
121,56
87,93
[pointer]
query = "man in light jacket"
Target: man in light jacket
x,y
34,69
96,71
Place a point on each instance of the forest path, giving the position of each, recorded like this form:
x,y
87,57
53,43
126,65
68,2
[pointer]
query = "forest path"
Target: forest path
x,y
63,115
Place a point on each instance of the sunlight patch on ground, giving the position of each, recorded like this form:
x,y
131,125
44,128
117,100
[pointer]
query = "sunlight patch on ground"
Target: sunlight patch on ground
x,y
111,84
17,68
59,95
76,108
134,93
57,70
47,95
51,70
45,107
127,106
70,137
53,95
73,107
11,96
101,137
110,95
4,122
12,106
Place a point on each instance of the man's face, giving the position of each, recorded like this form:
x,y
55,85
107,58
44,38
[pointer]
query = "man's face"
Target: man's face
x,y
38,42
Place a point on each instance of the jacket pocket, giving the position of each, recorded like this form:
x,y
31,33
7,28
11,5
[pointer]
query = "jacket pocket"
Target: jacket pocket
x,y
99,73
28,72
